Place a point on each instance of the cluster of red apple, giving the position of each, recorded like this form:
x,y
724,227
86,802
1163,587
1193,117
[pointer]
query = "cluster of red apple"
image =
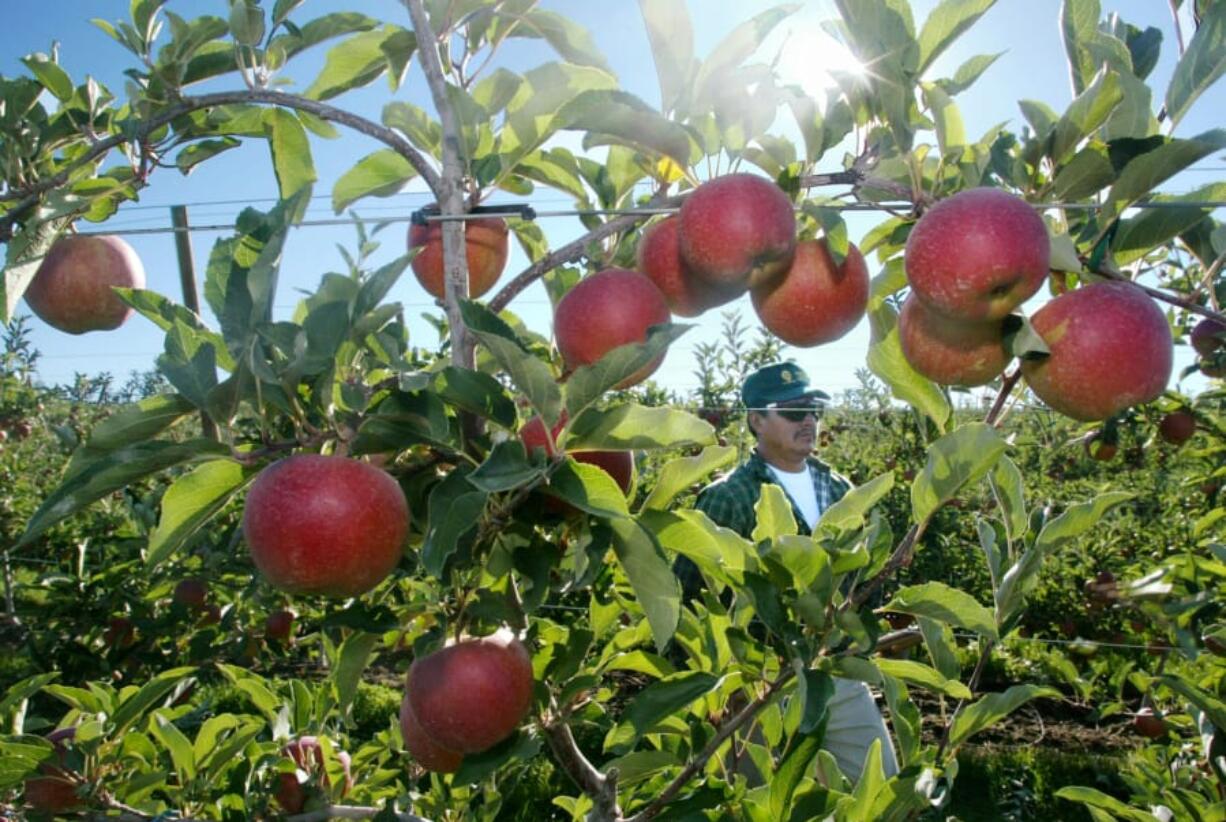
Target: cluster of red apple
x,y
465,699
975,257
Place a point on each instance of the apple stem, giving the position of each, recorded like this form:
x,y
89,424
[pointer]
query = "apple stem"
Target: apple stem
x,y
1006,390
980,665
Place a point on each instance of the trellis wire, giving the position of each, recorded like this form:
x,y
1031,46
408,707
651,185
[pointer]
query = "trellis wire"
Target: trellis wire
x,y
645,212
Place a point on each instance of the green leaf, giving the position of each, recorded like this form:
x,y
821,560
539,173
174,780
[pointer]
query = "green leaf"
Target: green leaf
x,y
1201,65
1009,490
655,703
588,488
196,153
1088,46
632,427
671,36
955,461
678,474
920,674
737,47
1146,172
379,174
719,552
357,61
951,133
969,72
116,470
423,131
992,708
531,375
1213,707
352,658
178,745
506,467
532,115
246,22
628,121
133,707
1097,799
886,360
945,24
796,764
132,423
570,40
49,73
19,692
773,514
1088,172
1087,112
637,766
475,392
588,382
1139,235
814,689
850,510
454,509
291,151
191,501
655,586
936,600
939,641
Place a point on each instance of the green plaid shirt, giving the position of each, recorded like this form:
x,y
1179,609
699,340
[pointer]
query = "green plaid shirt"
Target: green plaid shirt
x,y
730,502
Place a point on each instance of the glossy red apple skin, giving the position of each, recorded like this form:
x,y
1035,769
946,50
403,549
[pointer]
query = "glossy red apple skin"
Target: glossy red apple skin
x,y
1149,724
659,258
71,291
1208,336
325,525
279,626
1110,347
618,464
816,301
951,352
1177,427
428,753
486,244
471,695
978,254
605,310
737,231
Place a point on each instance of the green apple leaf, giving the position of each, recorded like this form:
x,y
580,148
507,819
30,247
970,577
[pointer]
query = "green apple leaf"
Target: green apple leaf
x,y
1147,171
637,427
936,600
917,673
671,35
531,375
291,151
1201,65
655,703
475,392
886,360
655,586
506,467
190,503
588,488
676,475
945,24
1113,808
718,552
1087,112
849,512
588,382
992,708
955,461
773,515
379,174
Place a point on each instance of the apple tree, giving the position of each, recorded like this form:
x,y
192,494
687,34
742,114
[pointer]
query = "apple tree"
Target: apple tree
x,y
650,705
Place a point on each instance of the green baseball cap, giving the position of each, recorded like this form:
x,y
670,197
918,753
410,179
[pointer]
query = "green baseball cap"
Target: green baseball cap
x,y
783,382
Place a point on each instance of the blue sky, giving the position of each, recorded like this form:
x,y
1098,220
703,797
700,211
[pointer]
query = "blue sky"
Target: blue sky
x,y
1032,67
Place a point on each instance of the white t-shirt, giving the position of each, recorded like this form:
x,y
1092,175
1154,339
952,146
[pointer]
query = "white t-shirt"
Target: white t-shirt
x,y
799,486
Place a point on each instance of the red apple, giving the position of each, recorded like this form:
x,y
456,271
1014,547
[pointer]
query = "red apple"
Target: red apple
x,y
1177,427
325,525
471,695
279,626
978,254
1110,349
605,310
737,231
307,754
485,240
1101,448
71,290
289,792
210,614
1214,366
429,754
951,352
617,464
1208,336
816,301
1149,724
191,594
119,633
659,257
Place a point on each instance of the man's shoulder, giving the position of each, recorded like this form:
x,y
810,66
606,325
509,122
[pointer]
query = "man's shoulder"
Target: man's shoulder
x,y
746,475
825,473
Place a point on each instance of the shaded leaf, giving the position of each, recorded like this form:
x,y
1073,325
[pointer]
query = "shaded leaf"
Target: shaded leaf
x,y
936,600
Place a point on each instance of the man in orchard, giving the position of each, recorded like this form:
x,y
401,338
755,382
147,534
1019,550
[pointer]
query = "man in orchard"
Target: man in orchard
x,y
782,412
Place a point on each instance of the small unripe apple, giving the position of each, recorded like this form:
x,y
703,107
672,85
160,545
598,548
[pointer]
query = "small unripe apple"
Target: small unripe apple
x,y
1208,336
814,301
951,352
191,594
1149,724
1177,427
471,695
279,626
71,291
737,231
659,258
1110,348
325,525
428,753
608,309
486,245
978,254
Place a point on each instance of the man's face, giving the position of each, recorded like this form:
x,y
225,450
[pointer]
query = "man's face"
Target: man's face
x,y
787,434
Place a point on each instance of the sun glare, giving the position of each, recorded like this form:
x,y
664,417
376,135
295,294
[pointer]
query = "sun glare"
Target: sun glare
x,y
809,55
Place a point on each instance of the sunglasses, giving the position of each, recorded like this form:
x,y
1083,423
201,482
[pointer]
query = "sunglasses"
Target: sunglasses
x,y
798,411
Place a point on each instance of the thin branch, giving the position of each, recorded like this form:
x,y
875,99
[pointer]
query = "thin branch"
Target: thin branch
x,y
898,560
1002,396
700,760
1163,296
980,666
187,105
602,788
